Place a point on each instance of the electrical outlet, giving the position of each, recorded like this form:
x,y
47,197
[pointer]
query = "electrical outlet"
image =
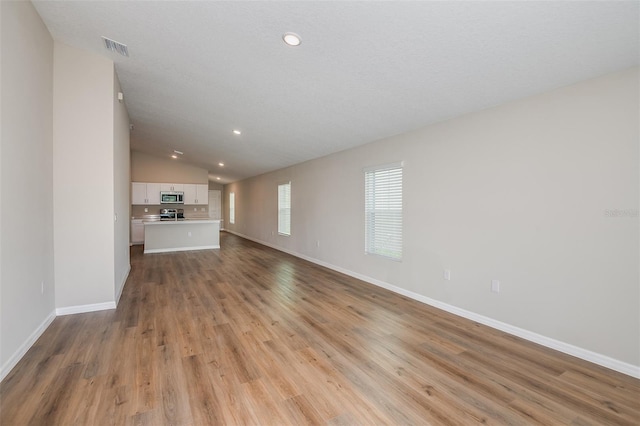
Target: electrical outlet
x,y
146,210
189,233
447,274
495,286
195,209
317,243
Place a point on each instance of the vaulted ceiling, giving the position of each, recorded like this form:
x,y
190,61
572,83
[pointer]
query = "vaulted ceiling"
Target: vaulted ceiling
x,y
197,70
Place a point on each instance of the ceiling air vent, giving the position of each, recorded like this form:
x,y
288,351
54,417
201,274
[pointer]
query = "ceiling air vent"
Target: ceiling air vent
x,y
114,46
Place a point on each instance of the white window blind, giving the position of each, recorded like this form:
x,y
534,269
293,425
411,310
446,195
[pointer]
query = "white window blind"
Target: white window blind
x,y
284,208
383,210
232,207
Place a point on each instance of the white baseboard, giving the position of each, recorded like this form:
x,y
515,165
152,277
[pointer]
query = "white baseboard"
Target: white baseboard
x,y
123,281
22,350
18,354
578,352
167,250
80,309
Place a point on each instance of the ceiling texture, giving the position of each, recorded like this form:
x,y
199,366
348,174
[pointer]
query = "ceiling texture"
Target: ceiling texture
x,y
364,71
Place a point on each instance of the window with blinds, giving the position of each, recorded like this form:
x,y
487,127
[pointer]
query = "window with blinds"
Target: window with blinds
x,y
232,207
284,209
383,210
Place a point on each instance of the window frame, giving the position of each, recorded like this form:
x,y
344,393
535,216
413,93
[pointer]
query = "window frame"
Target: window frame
x,y
281,219
232,208
384,210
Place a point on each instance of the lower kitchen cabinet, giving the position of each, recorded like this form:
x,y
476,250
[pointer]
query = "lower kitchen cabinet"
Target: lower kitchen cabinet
x,y
137,231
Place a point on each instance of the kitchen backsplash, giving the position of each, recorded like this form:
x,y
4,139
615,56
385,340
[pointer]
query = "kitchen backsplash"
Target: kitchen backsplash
x,y
201,211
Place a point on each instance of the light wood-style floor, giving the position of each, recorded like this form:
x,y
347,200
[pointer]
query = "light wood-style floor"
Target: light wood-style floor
x,y
249,335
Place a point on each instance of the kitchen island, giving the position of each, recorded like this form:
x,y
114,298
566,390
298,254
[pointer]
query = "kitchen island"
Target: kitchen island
x,y
181,235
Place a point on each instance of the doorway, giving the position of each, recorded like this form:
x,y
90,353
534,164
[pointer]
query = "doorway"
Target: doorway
x,y
215,205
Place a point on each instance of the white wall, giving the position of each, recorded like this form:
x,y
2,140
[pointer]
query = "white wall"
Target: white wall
x,y
215,186
518,193
83,177
26,221
65,168
150,168
121,174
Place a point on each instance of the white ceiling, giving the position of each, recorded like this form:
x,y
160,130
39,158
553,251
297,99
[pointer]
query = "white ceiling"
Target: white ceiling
x,y
364,70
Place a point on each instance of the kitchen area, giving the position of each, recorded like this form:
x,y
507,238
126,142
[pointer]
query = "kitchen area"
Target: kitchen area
x,y
174,205
170,231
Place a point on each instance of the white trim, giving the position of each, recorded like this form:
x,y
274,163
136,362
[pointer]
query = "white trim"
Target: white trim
x,y
80,309
22,350
166,250
123,281
567,348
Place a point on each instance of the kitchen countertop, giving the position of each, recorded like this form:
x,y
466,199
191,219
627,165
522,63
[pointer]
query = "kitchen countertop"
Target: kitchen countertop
x,y
156,217
186,221
149,217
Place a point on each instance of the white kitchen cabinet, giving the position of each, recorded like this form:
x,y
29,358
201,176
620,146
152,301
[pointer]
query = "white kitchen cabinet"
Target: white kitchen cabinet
x,y
189,193
145,193
171,187
202,195
138,193
153,193
196,194
137,231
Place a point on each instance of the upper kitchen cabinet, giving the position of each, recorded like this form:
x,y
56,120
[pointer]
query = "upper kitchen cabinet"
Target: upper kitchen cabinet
x,y
153,193
172,187
145,193
196,194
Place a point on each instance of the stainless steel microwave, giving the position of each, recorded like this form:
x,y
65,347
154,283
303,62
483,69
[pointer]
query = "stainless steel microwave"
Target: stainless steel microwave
x,y
171,197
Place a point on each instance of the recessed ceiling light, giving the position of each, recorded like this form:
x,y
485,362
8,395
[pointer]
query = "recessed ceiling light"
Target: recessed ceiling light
x,y
218,178
174,156
292,39
237,132
221,164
